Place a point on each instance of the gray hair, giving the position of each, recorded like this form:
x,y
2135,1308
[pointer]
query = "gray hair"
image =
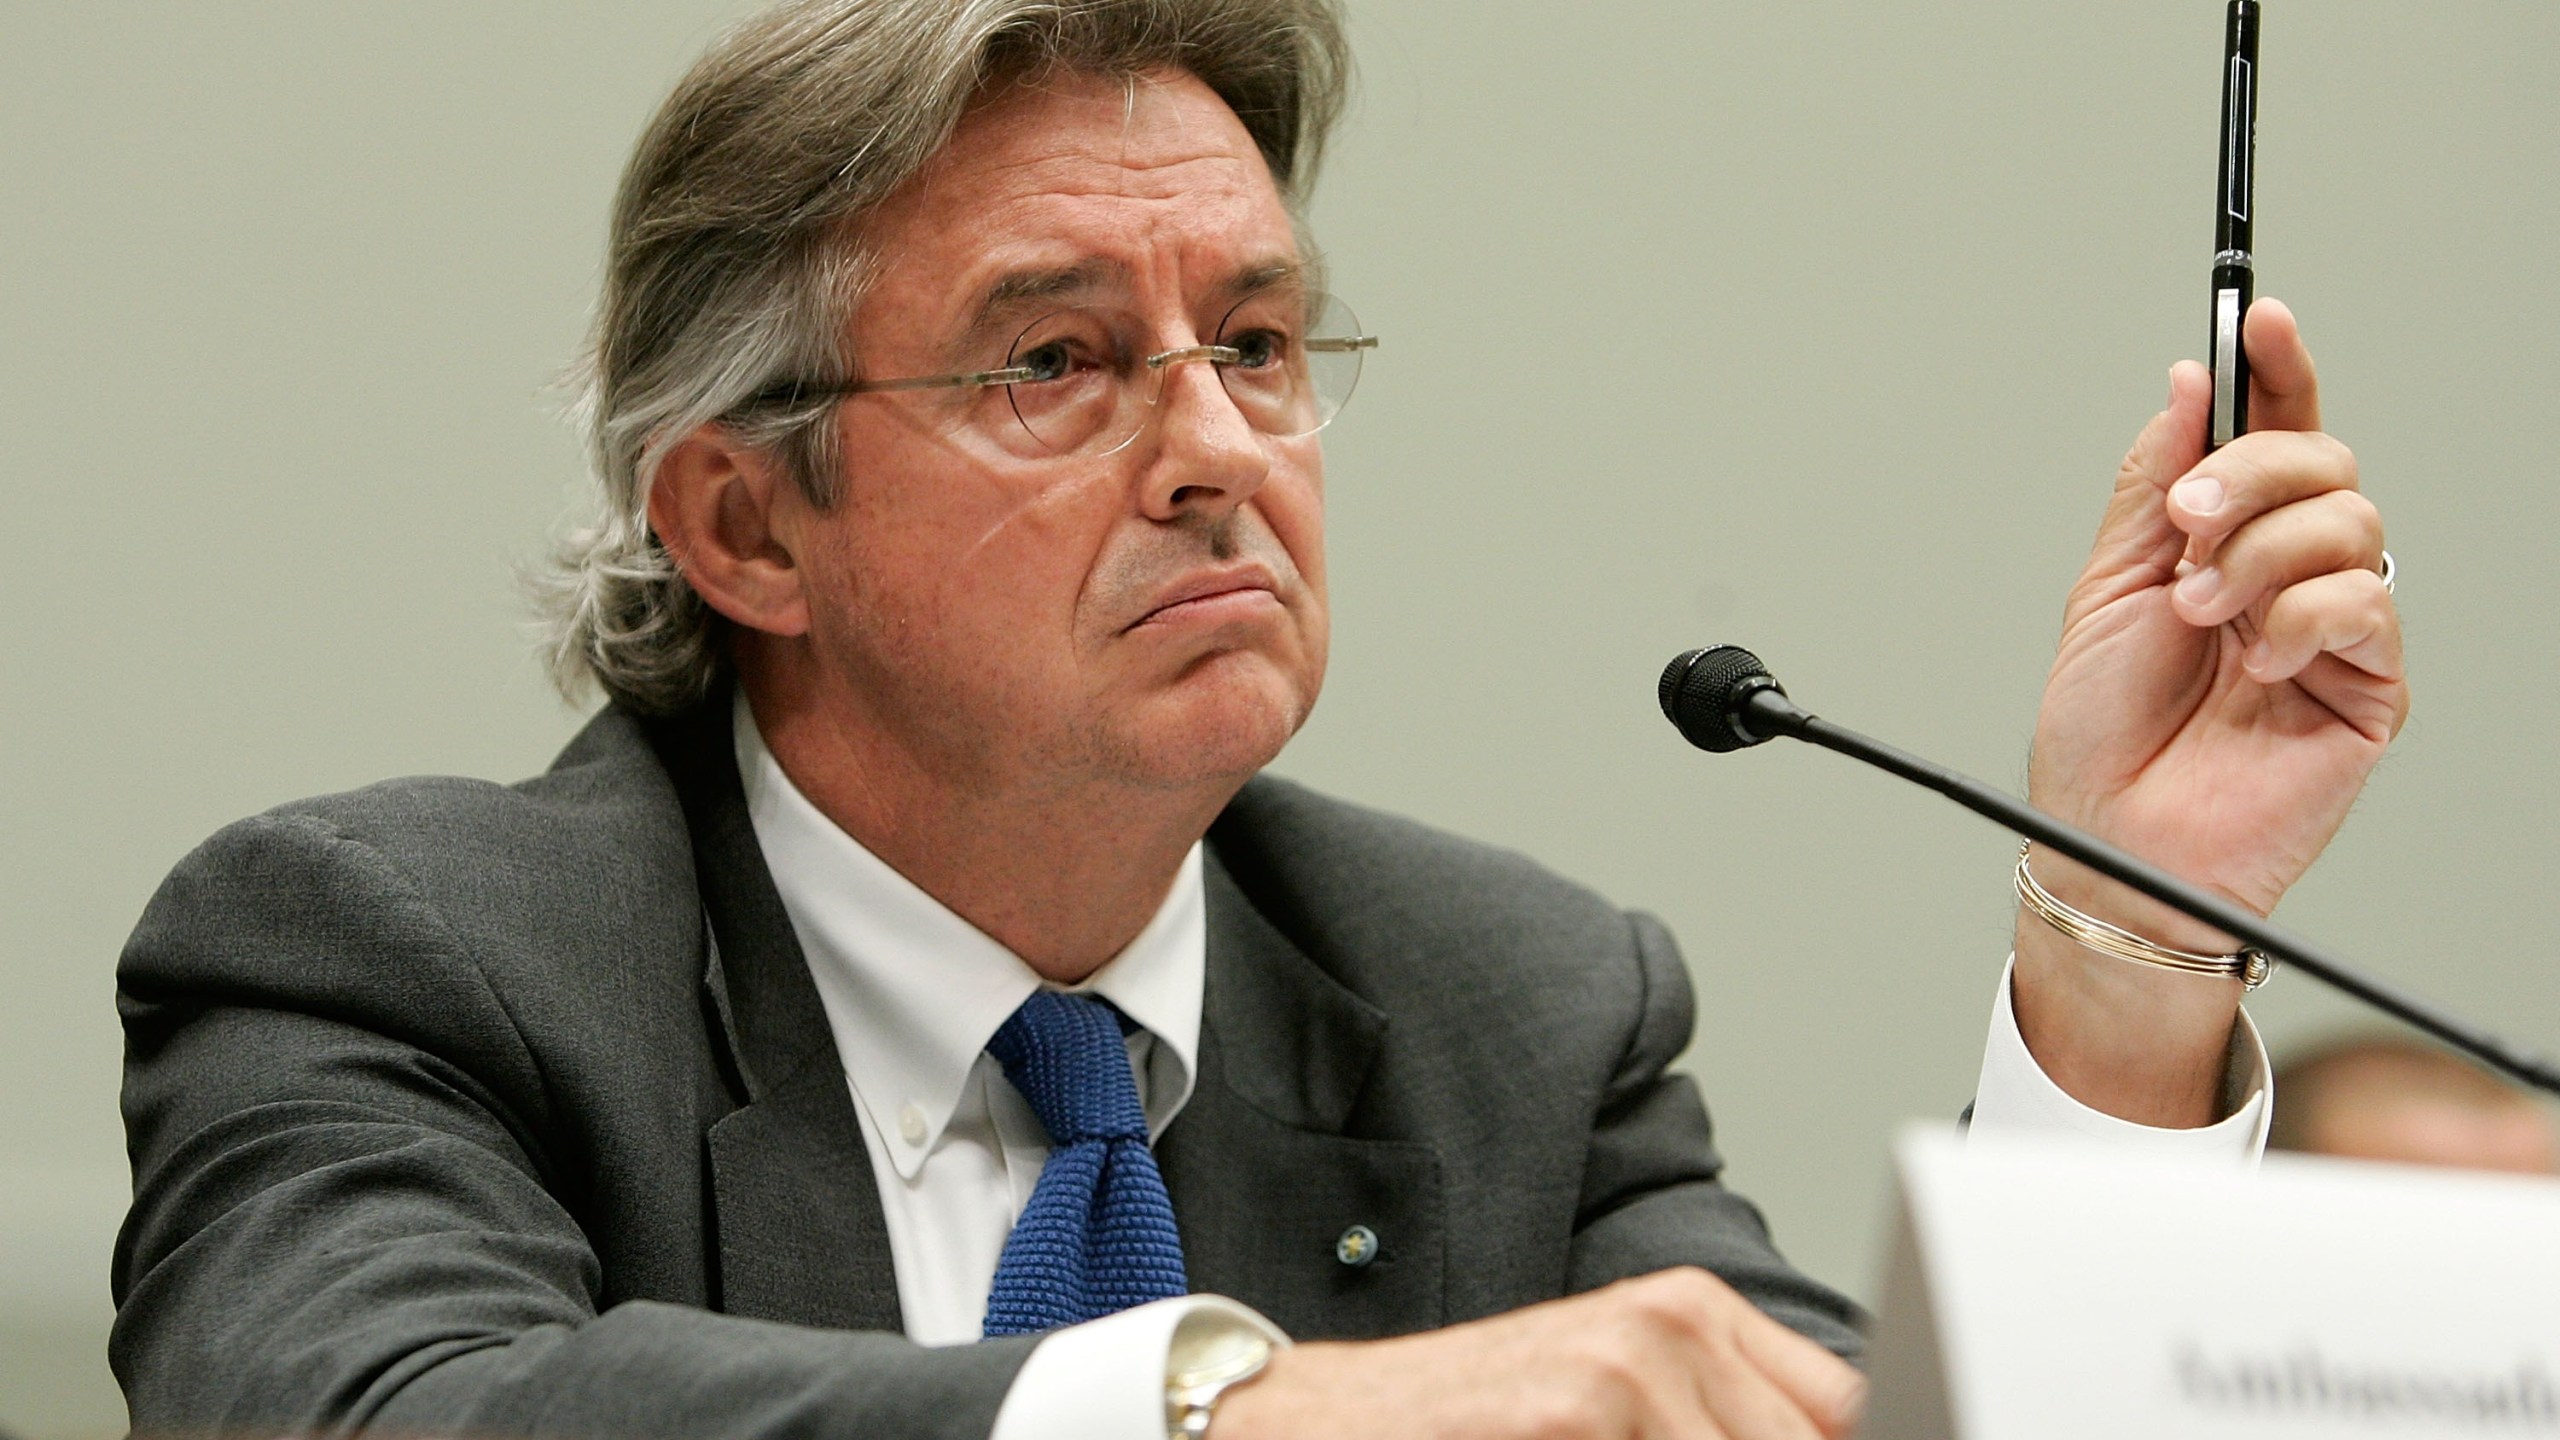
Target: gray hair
x,y
733,267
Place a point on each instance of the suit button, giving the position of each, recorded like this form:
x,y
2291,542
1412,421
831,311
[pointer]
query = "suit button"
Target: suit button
x,y
1357,1247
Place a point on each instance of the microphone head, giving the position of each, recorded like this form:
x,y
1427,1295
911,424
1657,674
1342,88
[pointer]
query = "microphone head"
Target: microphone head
x,y
1703,693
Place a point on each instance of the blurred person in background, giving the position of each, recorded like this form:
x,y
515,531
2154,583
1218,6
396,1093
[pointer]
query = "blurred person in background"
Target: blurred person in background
x,y
2396,1098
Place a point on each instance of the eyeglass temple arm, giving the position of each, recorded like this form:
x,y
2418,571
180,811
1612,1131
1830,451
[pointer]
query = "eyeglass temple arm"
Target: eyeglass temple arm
x,y
1215,354
1230,355
1010,375
1020,374
795,392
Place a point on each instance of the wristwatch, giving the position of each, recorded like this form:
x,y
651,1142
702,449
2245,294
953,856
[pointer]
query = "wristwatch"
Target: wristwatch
x,y
1211,1354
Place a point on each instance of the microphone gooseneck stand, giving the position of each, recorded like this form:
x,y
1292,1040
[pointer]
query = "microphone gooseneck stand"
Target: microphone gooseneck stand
x,y
1725,699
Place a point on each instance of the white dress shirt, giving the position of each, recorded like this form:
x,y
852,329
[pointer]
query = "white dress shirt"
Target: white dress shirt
x,y
2015,1096
913,993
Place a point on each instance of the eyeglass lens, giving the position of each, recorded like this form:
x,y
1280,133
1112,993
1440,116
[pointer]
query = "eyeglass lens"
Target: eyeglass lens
x,y
1288,360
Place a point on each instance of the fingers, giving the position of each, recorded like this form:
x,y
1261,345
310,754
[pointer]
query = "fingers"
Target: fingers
x,y
1826,1388
2261,471
2284,396
2276,513
2347,614
2284,393
1676,1355
2336,531
1745,1404
1755,1377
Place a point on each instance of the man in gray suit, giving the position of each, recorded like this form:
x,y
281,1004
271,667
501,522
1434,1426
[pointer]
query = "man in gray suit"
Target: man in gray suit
x,y
959,566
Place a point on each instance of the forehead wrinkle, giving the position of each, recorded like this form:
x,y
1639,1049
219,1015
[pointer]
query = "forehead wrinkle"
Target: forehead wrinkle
x,y
1178,117
1063,239
1169,178
1167,137
1028,172
1091,217
1058,117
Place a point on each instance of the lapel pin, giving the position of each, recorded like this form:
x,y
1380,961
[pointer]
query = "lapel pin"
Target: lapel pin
x,y
1357,1247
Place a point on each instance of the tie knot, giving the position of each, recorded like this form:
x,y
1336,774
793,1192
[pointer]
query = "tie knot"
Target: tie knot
x,y
1065,1054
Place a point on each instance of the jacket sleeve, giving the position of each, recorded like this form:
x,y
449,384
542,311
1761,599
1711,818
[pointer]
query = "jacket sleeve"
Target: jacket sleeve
x,y
1651,1198
350,1212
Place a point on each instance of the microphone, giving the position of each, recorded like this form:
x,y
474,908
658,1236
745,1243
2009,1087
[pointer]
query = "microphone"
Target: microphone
x,y
1722,698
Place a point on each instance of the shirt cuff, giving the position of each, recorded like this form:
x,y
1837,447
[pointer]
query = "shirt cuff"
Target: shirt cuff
x,y
2016,1097
1105,1379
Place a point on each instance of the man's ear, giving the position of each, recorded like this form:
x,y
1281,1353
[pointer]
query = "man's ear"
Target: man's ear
x,y
714,506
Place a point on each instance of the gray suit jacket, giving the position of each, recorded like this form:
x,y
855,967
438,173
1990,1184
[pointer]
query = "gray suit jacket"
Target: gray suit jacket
x,y
466,1109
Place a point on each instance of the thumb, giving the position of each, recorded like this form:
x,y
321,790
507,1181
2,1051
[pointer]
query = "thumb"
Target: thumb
x,y
2173,443
2136,533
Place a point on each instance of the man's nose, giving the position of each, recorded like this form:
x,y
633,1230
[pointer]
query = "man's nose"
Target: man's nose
x,y
1208,458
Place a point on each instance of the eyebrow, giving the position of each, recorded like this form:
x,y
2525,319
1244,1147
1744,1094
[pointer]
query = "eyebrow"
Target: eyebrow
x,y
1265,276
1014,291
1016,288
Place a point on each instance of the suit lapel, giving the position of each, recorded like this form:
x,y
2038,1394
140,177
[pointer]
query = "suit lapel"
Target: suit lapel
x,y
796,1210
801,1235
1264,1182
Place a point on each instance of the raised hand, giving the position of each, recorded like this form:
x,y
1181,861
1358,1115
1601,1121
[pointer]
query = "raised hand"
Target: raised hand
x,y
2229,674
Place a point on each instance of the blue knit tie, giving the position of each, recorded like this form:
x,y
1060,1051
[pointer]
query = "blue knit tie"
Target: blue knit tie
x,y
1098,1235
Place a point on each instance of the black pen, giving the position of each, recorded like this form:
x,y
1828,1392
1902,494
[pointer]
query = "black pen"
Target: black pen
x,y
2234,272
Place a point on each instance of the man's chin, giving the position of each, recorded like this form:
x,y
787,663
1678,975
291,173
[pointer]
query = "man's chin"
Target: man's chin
x,y
1222,721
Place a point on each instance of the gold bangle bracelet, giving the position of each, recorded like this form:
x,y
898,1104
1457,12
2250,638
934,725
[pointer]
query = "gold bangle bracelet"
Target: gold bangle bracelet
x,y
2249,966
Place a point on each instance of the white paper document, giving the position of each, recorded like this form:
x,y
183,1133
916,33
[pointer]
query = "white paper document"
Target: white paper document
x,y
2056,1289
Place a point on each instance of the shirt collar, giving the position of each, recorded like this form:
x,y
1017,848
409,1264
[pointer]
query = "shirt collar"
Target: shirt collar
x,y
913,992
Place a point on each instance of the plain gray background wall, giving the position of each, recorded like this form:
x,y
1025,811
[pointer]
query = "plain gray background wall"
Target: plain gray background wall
x,y
1816,326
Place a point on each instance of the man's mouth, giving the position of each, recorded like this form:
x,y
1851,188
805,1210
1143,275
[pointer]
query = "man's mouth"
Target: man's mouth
x,y
1230,592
